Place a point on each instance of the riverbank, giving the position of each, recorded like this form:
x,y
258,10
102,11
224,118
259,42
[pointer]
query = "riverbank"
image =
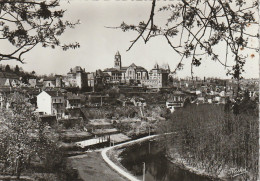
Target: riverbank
x,y
226,174
113,154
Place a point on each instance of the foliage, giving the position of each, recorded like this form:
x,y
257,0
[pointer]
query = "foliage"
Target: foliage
x,y
134,128
196,28
27,23
207,137
16,69
7,68
24,139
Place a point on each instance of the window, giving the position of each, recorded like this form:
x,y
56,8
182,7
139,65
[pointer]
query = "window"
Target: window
x,y
139,75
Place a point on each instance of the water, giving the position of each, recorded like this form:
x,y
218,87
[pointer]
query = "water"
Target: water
x,y
157,167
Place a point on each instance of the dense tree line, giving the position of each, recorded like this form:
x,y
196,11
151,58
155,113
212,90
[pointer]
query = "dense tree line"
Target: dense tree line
x,y
215,139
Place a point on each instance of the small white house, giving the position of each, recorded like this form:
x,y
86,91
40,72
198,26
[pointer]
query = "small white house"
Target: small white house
x,y
51,103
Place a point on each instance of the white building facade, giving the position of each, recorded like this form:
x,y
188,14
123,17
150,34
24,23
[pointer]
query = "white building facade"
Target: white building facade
x,y
51,103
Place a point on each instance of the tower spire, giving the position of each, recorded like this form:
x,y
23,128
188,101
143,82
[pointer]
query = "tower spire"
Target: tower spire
x,y
117,62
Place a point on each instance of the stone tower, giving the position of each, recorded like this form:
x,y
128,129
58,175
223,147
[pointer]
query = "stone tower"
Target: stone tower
x,y
117,64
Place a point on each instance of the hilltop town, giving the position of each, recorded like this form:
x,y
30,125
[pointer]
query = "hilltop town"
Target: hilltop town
x,y
90,110
72,96
78,87
121,84
76,109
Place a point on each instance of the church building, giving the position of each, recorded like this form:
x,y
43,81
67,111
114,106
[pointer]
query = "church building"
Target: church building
x,y
120,74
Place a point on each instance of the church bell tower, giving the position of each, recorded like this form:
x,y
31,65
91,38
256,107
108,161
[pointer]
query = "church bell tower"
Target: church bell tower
x,y
117,64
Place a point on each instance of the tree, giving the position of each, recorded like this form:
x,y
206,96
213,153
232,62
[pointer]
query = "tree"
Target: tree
x,y
27,23
196,28
22,136
214,141
16,69
25,78
7,68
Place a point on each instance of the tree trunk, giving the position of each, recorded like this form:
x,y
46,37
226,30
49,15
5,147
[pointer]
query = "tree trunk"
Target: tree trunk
x,y
258,178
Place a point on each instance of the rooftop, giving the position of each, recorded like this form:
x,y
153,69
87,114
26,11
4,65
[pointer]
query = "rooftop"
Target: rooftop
x,y
75,70
71,96
54,93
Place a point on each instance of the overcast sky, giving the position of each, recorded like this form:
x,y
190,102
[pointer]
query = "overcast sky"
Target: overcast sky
x,y
99,44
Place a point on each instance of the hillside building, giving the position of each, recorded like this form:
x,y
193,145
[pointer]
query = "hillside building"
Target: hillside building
x,y
77,77
120,74
51,103
158,77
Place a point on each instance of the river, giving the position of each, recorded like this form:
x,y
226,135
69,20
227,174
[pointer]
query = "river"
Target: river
x,y
157,166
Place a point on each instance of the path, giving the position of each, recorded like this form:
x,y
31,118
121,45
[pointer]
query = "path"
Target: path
x,y
91,166
125,174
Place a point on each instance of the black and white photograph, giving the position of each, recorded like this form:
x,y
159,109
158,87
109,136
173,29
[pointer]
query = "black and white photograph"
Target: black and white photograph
x,y
129,90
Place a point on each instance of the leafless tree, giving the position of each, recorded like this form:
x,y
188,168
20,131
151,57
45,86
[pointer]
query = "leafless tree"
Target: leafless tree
x,y
196,28
27,23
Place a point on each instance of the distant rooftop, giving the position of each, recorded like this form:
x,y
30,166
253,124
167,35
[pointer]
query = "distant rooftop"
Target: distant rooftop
x,y
76,69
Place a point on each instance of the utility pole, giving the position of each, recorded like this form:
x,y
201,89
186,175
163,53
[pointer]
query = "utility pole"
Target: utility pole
x,y
143,171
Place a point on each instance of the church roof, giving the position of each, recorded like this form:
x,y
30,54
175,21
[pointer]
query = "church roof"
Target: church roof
x,y
124,68
111,70
139,68
132,65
